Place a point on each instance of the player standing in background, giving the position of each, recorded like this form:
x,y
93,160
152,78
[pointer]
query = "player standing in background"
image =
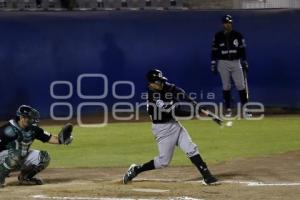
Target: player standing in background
x,y
164,99
16,137
228,57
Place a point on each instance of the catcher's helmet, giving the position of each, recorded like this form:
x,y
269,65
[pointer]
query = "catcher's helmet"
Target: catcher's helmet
x,y
28,112
155,75
227,19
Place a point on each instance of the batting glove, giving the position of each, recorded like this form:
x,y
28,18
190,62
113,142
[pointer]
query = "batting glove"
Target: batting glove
x,y
218,120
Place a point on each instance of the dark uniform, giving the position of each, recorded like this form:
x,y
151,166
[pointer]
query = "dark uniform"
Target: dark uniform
x,y
16,138
11,132
229,46
163,107
228,57
161,104
15,152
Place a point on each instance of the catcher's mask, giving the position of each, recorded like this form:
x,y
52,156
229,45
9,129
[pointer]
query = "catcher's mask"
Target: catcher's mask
x,y
30,113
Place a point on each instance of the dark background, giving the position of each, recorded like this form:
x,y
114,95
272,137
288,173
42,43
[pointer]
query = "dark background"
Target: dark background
x,y
38,48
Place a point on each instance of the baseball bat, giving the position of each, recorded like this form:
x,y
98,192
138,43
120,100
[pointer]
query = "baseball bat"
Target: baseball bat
x,y
214,117
246,84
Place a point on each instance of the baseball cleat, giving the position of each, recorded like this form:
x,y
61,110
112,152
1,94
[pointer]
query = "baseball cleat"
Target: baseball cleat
x,y
2,185
228,113
130,174
210,180
30,181
2,181
248,115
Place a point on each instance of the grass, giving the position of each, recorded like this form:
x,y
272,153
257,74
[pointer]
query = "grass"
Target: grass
x,y
120,144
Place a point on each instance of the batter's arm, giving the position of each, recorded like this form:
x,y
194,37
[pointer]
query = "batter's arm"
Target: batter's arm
x,y
214,117
181,96
184,104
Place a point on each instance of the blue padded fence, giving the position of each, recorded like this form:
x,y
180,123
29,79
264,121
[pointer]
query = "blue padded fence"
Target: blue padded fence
x,y
39,48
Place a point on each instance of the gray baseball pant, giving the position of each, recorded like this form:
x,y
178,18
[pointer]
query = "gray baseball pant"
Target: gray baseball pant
x,y
228,69
168,136
33,158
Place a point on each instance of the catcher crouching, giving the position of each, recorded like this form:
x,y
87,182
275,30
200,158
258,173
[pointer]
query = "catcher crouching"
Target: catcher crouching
x,y
16,137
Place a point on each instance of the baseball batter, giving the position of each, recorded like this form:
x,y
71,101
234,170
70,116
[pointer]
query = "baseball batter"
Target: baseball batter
x,y
16,137
228,57
163,101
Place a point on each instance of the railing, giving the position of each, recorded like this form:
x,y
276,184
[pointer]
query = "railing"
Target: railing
x,y
34,5
89,4
263,4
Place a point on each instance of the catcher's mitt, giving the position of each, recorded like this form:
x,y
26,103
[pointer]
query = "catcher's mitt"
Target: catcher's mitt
x,y
65,134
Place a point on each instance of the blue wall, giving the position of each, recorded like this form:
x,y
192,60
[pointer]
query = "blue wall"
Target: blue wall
x,y
38,48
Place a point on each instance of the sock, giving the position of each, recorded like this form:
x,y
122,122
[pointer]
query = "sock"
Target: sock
x,y
198,162
145,167
243,97
201,166
227,98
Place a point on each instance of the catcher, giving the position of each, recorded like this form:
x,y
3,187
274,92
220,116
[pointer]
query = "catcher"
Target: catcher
x,y
16,137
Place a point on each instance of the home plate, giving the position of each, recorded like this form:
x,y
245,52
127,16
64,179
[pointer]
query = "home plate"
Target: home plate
x,y
149,190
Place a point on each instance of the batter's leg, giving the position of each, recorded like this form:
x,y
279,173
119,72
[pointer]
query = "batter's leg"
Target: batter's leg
x,y
166,136
166,148
185,142
191,150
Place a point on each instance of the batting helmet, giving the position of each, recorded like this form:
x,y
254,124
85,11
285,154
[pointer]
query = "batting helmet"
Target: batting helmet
x,y
28,112
227,19
155,75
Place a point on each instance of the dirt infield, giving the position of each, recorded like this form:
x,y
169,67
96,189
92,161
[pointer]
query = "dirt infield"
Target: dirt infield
x,y
268,177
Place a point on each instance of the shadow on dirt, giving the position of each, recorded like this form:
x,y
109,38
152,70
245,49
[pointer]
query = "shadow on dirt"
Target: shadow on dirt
x,y
46,181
